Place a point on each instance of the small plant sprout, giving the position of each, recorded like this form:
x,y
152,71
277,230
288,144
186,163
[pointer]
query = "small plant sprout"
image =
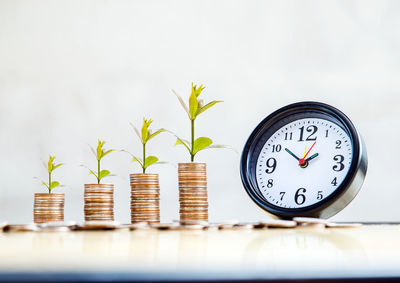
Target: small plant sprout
x,y
50,167
145,135
100,153
196,107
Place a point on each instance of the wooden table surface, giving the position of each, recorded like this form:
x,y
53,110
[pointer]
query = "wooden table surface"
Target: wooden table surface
x,y
370,251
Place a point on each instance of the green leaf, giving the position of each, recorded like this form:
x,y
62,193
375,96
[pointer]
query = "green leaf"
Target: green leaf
x,y
56,166
196,90
107,152
53,185
179,141
99,149
150,160
91,172
50,163
193,105
145,133
201,143
182,142
145,130
103,173
134,158
42,182
182,102
156,133
208,105
139,160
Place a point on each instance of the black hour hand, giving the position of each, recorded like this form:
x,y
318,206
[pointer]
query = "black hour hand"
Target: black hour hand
x,y
292,154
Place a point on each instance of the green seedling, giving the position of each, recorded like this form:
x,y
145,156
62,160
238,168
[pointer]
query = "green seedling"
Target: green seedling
x,y
50,167
196,107
100,153
145,135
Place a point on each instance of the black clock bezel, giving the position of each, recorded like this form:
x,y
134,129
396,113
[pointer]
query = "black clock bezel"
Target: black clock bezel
x,y
269,121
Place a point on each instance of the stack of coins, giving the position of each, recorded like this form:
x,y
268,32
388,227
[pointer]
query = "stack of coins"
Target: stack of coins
x,y
99,202
193,198
48,207
145,198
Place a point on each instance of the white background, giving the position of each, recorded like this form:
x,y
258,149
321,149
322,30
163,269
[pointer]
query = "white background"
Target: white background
x,y
75,71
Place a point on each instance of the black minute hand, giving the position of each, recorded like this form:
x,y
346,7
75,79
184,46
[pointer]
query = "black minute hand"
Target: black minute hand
x,y
292,154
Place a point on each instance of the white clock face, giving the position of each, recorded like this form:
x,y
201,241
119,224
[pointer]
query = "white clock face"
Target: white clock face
x,y
303,162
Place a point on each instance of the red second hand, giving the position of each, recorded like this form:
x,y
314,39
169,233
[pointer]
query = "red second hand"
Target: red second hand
x,y
301,161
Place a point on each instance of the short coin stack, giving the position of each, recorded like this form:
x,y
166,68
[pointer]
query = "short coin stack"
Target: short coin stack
x,y
99,202
48,207
145,198
193,198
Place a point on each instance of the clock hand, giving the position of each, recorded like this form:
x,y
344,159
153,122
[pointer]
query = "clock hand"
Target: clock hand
x,y
311,157
292,154
302,161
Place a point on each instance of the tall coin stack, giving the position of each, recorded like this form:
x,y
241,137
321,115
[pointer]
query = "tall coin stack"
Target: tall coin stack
x,y
48,207
145,198
99,202
193,198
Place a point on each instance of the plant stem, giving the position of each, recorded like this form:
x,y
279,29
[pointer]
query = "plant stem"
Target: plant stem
x,y
98,171
192,141
144,158
49,182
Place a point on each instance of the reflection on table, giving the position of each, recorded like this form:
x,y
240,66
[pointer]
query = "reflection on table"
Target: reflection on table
x,y
270,253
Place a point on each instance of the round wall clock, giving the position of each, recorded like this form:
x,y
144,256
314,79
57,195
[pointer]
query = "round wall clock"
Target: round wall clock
x,y
305,159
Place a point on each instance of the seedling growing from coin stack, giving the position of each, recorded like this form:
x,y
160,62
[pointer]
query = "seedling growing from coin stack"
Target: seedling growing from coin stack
x,y
145,189
196,107
49,206
50,167
99,198
192,176
100,153
145,135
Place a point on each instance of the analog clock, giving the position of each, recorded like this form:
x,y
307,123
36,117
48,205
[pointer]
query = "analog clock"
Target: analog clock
x,y
305,159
